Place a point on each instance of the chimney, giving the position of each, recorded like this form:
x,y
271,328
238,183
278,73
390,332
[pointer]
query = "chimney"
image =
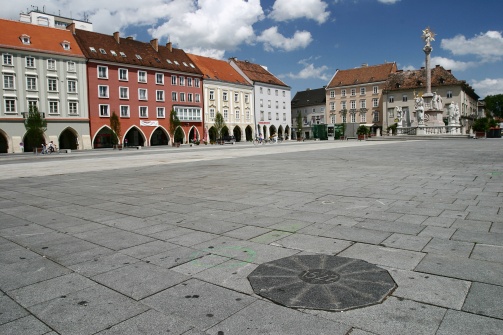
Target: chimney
x,y
117,37
71,27
155,44
365,65
169,46
130,38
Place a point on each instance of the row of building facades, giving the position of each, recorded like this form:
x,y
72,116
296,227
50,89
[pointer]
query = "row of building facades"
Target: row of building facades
x,y
77,78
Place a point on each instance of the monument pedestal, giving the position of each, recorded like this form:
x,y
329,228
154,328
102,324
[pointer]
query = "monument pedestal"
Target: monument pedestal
x,y
421,130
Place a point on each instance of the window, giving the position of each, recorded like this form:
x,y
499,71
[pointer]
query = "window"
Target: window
x,y
52,84
353,117
123,74
71,67
197,97
122,54
343,105
277,104
123,92
212,95
181,80
353,104
143,111
237,114
30,62
343,93
10,106
391,112
363,117
51,64
224,96
332,94
284,105
261,103
7,59
276,92
103,72
104,110
189,114
142,94
261,90
196,82
375,89
333,119
353,91
344,118
375,102
72,86
160,112
269,103
404,98
182,96
284,116
103,51
247,99
189,97
277,116
269,116
53,107
236,97
159,95
363,103
73,108
173,80
225,114
268,91
92,49
261,115
212,113
103,91
159,78
25,39
391,98
31,83
376,116
362,90
8,81
138,56
176,62
189,81
283,97
174,96
247,115
113,53
332,106
124,111
449,94
142,76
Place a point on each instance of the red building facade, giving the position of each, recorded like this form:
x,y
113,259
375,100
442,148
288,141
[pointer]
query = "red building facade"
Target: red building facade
x,y
142,83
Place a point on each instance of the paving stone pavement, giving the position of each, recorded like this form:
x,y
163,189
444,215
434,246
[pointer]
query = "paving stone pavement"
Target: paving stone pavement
x,y
162,239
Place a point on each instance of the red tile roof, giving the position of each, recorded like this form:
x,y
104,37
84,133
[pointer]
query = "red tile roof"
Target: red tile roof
x,y
258,73
362,75
42,39
216,69
136,53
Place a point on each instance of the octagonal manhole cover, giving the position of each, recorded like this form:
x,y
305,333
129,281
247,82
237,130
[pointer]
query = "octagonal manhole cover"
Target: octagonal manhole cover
x,y
322,282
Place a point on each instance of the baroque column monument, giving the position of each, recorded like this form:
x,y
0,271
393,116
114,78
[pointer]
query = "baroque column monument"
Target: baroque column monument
x,y
424,102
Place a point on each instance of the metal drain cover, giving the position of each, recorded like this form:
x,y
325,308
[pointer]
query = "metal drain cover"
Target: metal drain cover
x,y
322,282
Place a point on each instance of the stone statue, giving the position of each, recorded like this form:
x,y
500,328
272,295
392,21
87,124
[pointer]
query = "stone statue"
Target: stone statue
x,y
450,112
440,103
436,101
399,114
456,113
419,107
428,36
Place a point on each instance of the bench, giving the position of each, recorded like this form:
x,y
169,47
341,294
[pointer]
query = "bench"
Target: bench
x,y
351,138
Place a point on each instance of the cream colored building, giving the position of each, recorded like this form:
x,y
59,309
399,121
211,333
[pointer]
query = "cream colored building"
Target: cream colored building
x,y
353,97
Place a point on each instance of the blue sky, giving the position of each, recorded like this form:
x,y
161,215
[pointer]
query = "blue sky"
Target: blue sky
x,y
303,42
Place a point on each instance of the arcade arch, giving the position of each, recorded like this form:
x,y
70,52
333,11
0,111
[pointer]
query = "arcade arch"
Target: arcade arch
x,y
159,137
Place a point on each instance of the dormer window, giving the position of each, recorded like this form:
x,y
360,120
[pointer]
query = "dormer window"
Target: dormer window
x,y
103,51
65,45
92,49
185,64
169,62
138,56
176,62
122,54
113,53
25,39
192,65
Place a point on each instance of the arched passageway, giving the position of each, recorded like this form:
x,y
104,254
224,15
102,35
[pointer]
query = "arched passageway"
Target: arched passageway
x,y
159,137
225,131
29,145
272,131
264,132
193,135
68,139
237,133
213,134
280,131
287,132
103,138
249,133
4,143
134,137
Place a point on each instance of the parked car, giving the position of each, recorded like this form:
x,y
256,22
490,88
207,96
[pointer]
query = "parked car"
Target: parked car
x,y
229,139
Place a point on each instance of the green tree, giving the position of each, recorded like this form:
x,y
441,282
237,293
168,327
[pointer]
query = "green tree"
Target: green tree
x,y
174,123
115,126
494,103
299,124
219,124
35,126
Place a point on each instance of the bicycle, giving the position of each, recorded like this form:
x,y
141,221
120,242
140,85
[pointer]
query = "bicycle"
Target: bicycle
x,y
258,141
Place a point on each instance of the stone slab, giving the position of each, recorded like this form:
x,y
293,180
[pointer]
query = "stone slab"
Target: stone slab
x,y
407,242
449,247
26,325
456,322
265,318
10,310
201,303
231,274
315,244
493,253
478,237
485,299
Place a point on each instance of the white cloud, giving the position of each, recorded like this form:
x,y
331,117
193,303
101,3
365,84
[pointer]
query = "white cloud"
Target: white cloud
x,y
272,39
310,71
450,64
409,68
488,86
284,10
488,46
388,2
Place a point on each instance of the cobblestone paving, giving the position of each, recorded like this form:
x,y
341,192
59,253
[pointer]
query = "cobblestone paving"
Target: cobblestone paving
x,y
163,239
